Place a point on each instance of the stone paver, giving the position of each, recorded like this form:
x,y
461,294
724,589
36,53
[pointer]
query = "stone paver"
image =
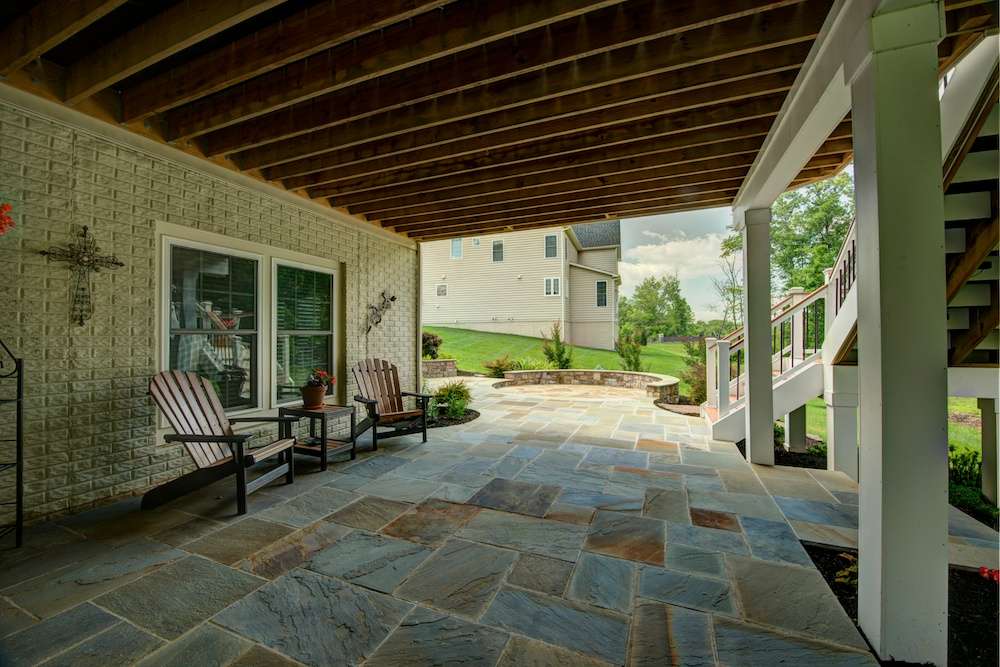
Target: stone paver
x,y
565,526
299,613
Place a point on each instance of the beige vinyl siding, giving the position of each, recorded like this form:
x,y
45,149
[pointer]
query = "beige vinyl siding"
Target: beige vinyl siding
x,y
591,326
605,259
484,295
572,254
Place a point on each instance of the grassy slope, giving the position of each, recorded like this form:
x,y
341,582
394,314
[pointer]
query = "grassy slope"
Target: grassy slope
x,y
472,348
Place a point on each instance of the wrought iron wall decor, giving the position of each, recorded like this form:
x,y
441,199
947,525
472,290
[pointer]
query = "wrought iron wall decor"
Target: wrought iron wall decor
x,y
375,312
12,370
84,258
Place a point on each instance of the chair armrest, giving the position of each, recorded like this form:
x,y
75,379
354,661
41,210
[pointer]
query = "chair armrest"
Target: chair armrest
x,y
366,401
417,395
288,419
223,439
371,405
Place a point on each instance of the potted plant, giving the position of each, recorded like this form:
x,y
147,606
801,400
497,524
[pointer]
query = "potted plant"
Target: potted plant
x,y
314,390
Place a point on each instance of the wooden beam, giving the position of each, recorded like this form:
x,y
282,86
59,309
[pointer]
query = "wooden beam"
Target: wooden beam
x,y
981,238
592,33
564,171
689,203
982,321
174,30
588,84
703,182
321,25
700,171
638,132
597,205
47,24
591,120
460,25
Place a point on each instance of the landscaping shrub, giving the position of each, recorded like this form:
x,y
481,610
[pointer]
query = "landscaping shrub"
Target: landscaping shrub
x,y
965,467
694,373
430,344
556,351
455,396
497,367
965,479
629,351
528,364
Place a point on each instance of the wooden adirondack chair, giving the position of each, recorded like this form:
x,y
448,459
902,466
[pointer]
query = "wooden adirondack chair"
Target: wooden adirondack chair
x,y
378,382
192,408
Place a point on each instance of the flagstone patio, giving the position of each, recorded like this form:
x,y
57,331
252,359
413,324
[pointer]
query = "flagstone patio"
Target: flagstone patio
x,y
583,528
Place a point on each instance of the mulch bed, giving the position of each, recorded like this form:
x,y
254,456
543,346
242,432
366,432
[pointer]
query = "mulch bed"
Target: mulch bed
x,y
793,459
974,421
972,607
449,421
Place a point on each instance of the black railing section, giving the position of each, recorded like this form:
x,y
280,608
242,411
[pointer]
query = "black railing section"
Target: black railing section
x,y
12,458
847,273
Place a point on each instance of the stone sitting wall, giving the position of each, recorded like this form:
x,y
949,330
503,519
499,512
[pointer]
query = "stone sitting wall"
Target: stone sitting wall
x,y
439,368
660,387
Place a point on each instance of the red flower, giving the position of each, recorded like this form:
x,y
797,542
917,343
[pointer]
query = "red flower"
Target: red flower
x,y
6,222
987,573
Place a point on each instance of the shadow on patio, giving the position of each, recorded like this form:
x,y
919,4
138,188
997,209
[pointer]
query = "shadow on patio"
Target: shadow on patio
x,y
582,529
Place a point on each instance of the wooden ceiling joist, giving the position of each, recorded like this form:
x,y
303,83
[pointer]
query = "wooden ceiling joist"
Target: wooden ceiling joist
x,y
556,126
319,26
698,32
439,118
177,28
46,25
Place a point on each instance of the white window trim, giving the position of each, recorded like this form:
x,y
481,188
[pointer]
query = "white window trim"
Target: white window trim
x,y
556,283
437,289
597,298
545,244
451,248
169,234
273,361
503,256
263,363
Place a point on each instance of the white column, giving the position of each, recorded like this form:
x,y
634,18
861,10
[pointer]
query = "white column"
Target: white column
x,y
988,412
841,397
711,376
795,430
902,377
722,367
755,227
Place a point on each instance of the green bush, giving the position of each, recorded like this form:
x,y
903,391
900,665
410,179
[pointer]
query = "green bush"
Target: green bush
x,y
556,351
497,367
528,364
455,397
629,351
971,501
965,467
819,449
694,373
430,344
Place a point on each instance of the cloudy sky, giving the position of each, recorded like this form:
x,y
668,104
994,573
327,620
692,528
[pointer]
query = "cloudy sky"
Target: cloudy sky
x,y
682,243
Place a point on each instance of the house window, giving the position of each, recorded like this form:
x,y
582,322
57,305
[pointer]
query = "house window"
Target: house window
x,y
442,290
212,323
303,334
551,246
456,248
498,251
602,293
551,287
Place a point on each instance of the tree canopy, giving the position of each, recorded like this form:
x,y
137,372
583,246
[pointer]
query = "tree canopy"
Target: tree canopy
x,y
657,307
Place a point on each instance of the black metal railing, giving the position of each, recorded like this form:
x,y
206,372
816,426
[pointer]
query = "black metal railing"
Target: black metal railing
x,y
12,405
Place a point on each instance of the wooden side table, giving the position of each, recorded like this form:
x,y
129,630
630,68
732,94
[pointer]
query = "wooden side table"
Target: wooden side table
x,y
318,443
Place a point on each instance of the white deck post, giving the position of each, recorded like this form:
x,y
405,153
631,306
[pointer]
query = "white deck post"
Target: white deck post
x,y
841,397
988,411
711,376
722,368
795,430
903,531
755,228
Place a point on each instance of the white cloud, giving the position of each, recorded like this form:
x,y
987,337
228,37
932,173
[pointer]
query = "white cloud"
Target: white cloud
x,y
689,258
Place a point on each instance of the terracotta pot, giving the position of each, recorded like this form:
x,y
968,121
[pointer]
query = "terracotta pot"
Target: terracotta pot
x,y
312,397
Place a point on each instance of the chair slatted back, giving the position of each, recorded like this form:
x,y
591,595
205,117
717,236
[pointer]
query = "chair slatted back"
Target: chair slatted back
x,y
378,380
192,407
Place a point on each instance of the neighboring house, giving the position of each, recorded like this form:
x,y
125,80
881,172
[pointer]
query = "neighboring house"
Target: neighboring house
x,y
522,282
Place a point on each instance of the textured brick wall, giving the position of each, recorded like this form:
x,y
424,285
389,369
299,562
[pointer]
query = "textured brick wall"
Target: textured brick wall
x,y
90,429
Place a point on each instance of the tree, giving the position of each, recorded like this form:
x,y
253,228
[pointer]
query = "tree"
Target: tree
x,y
729,289
808,226
556,351
649,309
630,352
679,316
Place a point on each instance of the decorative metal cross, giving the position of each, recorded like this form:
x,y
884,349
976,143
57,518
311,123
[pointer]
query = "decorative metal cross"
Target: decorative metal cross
x,y
375,312
84,258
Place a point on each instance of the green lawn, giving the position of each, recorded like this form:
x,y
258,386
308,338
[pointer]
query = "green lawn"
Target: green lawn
x,y
472,348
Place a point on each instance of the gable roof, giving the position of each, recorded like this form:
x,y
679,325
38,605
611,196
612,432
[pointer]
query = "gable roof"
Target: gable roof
x,y
597,234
